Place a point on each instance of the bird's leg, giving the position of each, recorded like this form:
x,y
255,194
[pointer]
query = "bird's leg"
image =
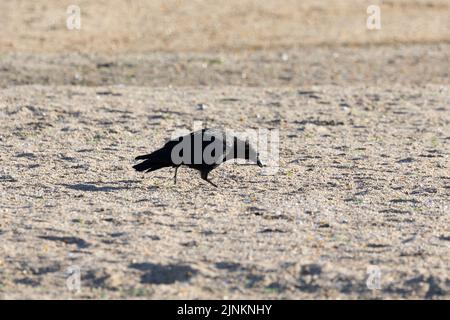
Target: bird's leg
x,y
175,176
204,176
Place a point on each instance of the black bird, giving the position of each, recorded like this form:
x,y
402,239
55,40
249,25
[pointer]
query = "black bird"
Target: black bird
x,y
202,150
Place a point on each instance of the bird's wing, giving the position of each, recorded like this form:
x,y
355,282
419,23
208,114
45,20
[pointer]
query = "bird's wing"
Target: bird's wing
x,y
227,138
219,136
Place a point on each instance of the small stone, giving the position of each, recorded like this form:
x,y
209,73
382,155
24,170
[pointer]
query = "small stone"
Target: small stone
x,y
201,106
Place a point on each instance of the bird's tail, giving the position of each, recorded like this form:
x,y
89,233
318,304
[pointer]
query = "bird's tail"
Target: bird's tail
x,y
145,156
153,161
148,166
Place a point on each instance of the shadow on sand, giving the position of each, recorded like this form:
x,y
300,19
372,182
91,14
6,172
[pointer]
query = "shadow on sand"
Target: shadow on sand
x,y
164,274
102,187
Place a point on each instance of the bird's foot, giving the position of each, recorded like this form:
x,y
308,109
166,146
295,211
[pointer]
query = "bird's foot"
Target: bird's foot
x,y
211,183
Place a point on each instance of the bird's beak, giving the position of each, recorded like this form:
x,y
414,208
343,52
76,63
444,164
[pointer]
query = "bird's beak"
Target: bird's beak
x,y
259,163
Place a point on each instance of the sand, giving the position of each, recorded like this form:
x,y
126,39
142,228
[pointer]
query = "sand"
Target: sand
x,y
359,205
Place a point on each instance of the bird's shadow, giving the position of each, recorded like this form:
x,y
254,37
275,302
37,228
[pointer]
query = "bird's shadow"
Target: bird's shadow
x,y
102,187
164,274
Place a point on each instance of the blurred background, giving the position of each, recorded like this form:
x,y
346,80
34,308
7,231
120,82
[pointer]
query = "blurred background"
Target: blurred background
x,y
124,26
245,42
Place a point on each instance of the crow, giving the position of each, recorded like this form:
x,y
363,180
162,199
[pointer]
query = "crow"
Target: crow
x,y
202,150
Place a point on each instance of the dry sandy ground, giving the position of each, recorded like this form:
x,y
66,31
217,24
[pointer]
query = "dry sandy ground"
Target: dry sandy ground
x,y
363,180
364,176
373,65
